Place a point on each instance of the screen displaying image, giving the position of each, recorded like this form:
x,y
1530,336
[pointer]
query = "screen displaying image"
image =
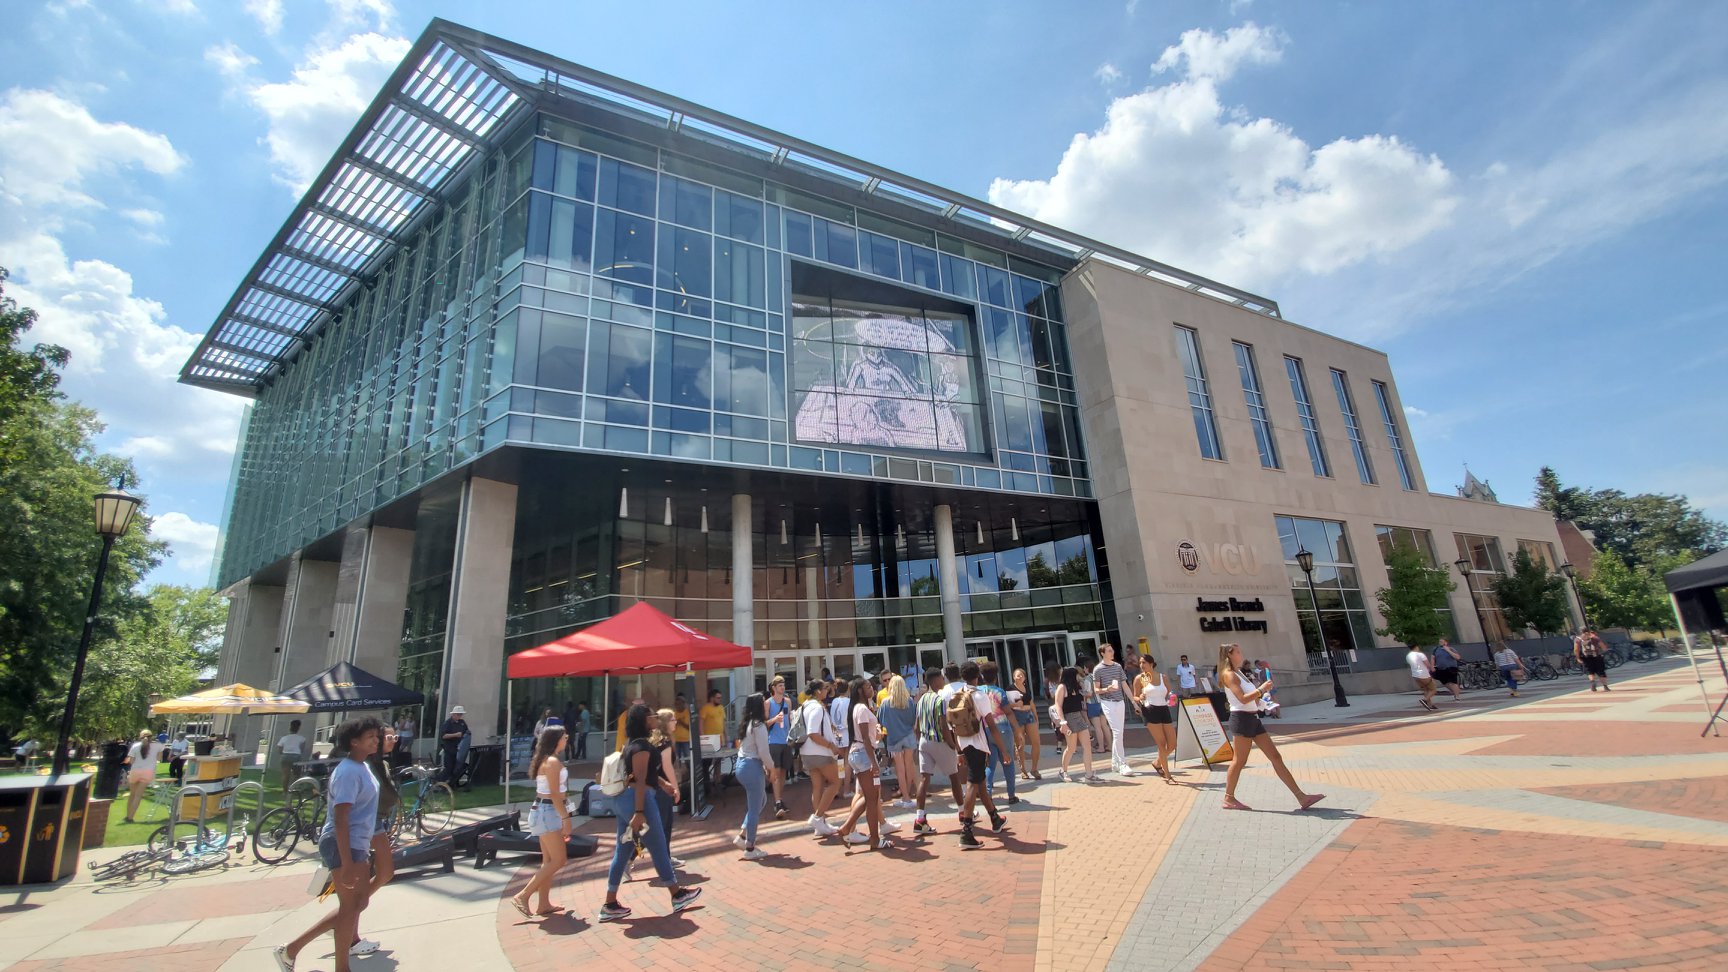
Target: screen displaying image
x,y
874,375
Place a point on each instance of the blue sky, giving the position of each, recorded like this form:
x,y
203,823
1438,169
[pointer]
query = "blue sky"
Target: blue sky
x,y
1522,203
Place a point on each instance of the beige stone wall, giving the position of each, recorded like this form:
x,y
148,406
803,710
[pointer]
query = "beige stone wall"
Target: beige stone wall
x,y
1155,492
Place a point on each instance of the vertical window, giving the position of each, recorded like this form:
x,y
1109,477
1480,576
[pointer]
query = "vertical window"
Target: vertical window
x,y
1487,565
1347,405
1305,411
1332,613
1199,398
1394,438
1256,399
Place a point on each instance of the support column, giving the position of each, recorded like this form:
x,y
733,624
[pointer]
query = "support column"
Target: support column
x,y
948,572
346,606
304,638
250,649
743,593
479,598
383,599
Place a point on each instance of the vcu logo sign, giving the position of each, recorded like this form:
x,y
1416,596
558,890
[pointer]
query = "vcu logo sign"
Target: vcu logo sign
x,y
1237,559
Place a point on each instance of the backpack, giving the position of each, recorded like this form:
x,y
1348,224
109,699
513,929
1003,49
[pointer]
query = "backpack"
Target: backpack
x,y
796,730
962,714
614,775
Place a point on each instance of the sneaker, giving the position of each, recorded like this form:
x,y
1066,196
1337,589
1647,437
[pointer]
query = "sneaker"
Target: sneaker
x,y
1093,778
922,826
998,824
740,843
906,804
363,947
1125,771
883,844
283,962
780,811
685,898
890,827
855,838
754,854
677,862
823,828
968,841
613,912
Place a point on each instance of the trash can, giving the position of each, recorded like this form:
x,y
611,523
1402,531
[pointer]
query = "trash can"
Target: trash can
x,y
488,763
42,821
202,745
110,772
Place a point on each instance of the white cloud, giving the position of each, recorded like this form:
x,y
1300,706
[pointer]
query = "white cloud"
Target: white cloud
x,y
148,218
230,59
193,543
309,114
268,13
1176,174
50,145
184,8
1108,74
1217,56
1414,412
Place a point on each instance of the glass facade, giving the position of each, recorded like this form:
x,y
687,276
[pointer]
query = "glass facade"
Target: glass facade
x,y
1487,565
1310,422
1347,405
1394,438
1342,619
582,290
1199,395
1256,399
1422,541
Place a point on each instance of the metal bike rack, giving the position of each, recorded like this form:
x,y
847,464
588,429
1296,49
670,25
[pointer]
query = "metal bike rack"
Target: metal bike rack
x,y
202,791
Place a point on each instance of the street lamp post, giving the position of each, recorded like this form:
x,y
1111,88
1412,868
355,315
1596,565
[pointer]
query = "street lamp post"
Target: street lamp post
x,y
1571,573
1463,564
114,509
1305,560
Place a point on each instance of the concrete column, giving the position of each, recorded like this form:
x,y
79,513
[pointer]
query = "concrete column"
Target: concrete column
x,y
305,631
948,568
346,606
479,599
249,645
743,593
383,599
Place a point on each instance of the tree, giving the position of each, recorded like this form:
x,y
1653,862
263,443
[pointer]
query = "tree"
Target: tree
x,y
24,375
1532,596
1640,527
1617,595
1412,605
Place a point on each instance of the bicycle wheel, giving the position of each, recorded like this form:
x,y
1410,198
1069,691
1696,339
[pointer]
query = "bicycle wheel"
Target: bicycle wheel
x,y
196,861
187,832
436,809
278,831
1544,671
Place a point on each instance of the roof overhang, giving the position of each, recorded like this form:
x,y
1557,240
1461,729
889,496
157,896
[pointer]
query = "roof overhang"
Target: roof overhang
x,y
456,93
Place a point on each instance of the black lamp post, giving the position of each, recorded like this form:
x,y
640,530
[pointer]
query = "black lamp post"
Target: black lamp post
x,y
1571,573
1464,566
114,509
1305,560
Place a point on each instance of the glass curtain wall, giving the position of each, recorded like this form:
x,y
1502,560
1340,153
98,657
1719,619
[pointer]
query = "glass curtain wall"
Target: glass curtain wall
x,y
420,659
1342,620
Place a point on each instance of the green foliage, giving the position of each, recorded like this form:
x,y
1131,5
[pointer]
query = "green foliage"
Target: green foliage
x,y
1532,596
1412,605
1074,570
24,375
1618,595
1641,528
158,650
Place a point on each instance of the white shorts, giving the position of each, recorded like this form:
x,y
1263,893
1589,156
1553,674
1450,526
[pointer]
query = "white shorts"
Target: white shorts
x,y
935,757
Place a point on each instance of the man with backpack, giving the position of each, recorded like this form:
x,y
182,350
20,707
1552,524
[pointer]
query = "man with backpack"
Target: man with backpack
x,y
970,717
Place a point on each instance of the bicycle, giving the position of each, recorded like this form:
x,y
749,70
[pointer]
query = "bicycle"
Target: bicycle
x,y
1644,652
1613,657
129,865
430,809
1539,668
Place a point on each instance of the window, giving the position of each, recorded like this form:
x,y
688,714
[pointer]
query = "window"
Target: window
x,y
1347,405
1341,620
1393,437
1256,400
1487,565
1423,542
1199,397
1542,552
1305,410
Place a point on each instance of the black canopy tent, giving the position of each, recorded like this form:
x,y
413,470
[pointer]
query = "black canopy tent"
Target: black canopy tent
x,y
1692,592
344,686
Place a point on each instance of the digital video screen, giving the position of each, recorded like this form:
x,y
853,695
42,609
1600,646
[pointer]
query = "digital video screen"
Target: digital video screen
x,y
873,375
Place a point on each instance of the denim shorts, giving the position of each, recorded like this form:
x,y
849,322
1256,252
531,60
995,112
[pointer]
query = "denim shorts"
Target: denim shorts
x,y
328,852
543,819
859,760
1094,709
1025,718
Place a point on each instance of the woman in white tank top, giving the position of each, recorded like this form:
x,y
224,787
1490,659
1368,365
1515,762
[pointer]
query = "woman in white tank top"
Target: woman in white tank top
x,y
1154,698
548,819
1247,731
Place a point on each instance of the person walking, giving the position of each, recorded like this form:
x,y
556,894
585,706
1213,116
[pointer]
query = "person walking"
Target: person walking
x,y
1155,699
861,760
1446,659
1187,679
1027,745
1592,653
1110,684
345,843
1001,756
1420,674
969,717
638,813
1070,704
548,820
900,739
141,760
820,754
779,709
751,773
583,724
1247,731
290,749
839,717
936,752
664,770
451,735
1511,668
1094,707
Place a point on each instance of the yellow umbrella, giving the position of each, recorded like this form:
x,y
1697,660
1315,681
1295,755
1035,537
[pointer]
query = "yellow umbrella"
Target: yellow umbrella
x,y
236,699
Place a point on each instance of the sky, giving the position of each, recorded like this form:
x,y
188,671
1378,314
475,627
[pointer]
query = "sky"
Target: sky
x,y
1524,204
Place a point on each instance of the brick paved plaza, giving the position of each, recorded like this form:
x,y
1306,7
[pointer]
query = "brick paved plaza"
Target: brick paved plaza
x,y
1558,831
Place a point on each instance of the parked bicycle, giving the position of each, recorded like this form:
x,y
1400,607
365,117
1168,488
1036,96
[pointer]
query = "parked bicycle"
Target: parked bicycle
x,y
1644,651
282,828
130,864
427,806
1540,668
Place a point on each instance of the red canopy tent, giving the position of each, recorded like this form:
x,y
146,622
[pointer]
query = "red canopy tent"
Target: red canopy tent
x,y
638,639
